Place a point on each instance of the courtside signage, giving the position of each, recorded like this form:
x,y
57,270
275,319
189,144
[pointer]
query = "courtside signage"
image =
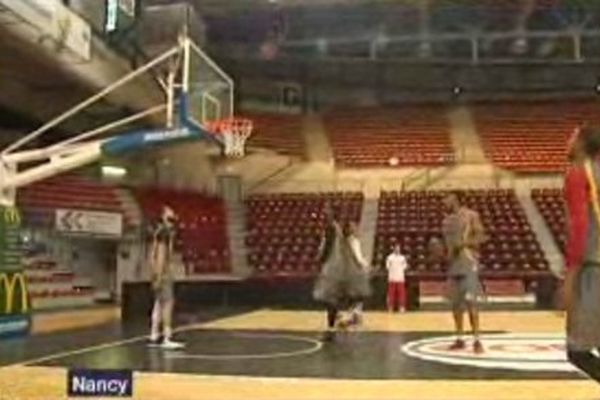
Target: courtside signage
x,y
99,383
8,286
92,223
14,326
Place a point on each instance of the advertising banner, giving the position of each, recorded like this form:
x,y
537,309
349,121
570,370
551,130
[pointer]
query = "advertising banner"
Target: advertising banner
x,y
92,223
15,305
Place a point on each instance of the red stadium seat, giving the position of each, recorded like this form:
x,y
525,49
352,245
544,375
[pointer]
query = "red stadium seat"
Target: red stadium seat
x,y
286,238
202,236
512,248
415,136
69,192
531,137
551,205
279,132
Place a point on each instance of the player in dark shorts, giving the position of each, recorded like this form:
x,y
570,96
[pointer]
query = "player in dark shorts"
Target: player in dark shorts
x,y
163,281
463,234
582,278
343,280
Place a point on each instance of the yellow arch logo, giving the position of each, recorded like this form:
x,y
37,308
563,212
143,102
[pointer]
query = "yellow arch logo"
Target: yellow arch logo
x,y
12,216
10,283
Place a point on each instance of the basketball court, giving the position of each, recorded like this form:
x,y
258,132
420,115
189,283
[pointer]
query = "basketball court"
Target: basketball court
x,y
278,354
245,307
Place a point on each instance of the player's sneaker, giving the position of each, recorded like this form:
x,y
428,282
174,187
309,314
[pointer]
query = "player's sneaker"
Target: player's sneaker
x,y
478,347
458,344
154,340
168,344
356,319
328,336
343,324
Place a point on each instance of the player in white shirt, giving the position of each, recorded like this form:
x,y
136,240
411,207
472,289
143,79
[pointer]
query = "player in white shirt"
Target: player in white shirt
x,y
356,312
344,278
396,266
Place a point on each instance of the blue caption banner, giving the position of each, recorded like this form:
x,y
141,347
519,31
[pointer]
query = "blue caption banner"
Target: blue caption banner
x,y
99,383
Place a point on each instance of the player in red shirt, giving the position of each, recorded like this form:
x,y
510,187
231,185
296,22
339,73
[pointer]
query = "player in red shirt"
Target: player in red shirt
x,y
582,278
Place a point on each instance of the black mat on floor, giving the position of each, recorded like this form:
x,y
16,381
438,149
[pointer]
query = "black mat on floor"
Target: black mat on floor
x,y
355,355
14,351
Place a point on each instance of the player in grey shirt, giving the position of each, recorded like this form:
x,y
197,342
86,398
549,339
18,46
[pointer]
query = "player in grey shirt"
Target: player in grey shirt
x,y
463,235
163,280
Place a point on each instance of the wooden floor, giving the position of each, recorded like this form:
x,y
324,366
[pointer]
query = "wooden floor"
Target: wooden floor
x,y
57,321
531,321
49,384
46,383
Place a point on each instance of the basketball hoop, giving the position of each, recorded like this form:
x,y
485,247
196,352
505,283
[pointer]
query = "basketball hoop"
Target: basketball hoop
x,y
235,132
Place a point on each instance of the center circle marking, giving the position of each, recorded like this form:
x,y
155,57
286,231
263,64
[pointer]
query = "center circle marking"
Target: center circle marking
x,y
514,351
315,346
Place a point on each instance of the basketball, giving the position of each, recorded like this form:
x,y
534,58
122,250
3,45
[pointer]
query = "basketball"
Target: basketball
x,y
436,250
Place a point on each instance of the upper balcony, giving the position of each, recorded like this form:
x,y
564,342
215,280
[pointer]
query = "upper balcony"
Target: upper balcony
x,y
54,56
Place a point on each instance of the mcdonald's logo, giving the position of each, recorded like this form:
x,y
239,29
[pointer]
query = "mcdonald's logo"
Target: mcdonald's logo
x,y
9,283
12,216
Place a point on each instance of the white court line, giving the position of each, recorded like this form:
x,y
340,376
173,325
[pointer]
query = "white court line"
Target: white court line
x,y
524,299
115,343
315,346
507,360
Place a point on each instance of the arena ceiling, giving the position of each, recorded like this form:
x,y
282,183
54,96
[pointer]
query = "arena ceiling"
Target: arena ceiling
x,y
229,6
434,30
268,30
34,88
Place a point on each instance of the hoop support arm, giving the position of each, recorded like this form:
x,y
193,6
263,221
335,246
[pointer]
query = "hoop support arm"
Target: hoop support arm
x,y
45,153
67,158
57,165
75,143
91,100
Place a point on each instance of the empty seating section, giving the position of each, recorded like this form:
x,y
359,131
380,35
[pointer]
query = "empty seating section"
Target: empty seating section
x,y
279,132
551,205
527,137
51,286
285,230
39,200
412,218
417,136
202,227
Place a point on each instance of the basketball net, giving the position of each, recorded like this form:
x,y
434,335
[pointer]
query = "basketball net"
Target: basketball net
x,y
235,132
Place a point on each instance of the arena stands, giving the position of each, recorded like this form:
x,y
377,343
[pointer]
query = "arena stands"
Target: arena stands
x,y
279,132
202,240
51,284
527,137
551,205
40,200
53,287
379,137
284,230
412,218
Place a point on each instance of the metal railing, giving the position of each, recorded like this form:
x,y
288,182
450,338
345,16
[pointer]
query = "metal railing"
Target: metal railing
x,y
427,179
575,45
308,185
